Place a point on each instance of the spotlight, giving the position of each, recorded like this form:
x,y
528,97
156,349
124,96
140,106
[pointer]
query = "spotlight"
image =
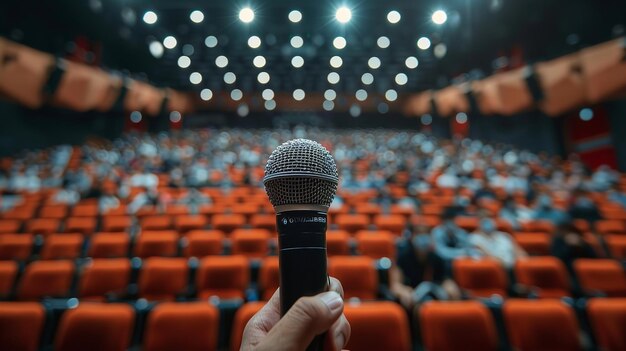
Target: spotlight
x,y
298,94
339,43
393,17
156,49
230,78
439,17
391,95
461,118
267,94
361,95
295,16
254,42
184,62
263,77
297,61
270,105
246,15
243,110
296,41
330,94
175,117
328,105
195,78
383,42
333,78
343,14
196,16
221,61
135,116
411,62
336,61
210,41
170,42
423,43
236,94
259,61
367,78
586,114
150,17
373,62
206,94
401,79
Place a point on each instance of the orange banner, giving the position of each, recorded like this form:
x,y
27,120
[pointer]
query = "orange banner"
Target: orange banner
x,y
562,84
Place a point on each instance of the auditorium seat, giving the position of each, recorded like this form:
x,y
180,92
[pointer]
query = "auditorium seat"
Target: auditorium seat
x,y
20,213
200,243
15,246
392,223
538,225
53,211
116,223
246,209
607,318
547,276
480,278
226,277
264,221
45,279
100,277
8,273
378,326
376,244
367,208
356,274
107,245
10,226
21,325
185,223
62,246
156,243
269,277
43,226
88,209
337,243
242,317
534,243
83,225
457,325
538,325
95,326
469,224
120,210
228,222
610,226
601,275
158,222
402,210
163,278
427,221
352,222
176,210
615,242
182,326
252,243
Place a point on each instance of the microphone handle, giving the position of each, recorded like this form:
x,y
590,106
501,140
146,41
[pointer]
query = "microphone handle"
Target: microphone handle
x,y
302,259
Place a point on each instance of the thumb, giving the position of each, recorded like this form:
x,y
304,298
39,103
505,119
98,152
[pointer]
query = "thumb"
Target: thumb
x,y
307,318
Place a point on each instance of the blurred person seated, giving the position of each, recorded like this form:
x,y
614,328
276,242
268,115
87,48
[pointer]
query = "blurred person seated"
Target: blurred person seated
x,y
108,201
448,179
450,241
514,213
544,209
149,197
144,179
583,207
194,199
483,192
616,195
495,244
568,244
603,178
25,180
66,195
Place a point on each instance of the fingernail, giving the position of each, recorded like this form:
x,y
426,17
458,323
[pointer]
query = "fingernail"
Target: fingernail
x,y
340,341
332,300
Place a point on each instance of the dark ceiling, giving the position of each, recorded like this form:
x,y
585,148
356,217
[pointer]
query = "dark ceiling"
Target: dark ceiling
x,y
477,33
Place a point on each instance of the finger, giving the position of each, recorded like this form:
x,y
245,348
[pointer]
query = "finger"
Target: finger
x,y
335,285
340,332
261,323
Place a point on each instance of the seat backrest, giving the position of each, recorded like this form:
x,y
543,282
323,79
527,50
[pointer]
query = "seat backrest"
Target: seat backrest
x,y
546,273
602,275
8,273
242,317
102,276
10,225
94,326
162,278
251,243
376,244
116,223
162,243
224,276
15,246
394,223
617,245
611,226
269,277
264,221
62,246
202,243
608,319
539,325
377,326
185,223
357,274
469,322
43,226
45,279
53,211
337,243
21,324
481,278
83,225
228,222
157,222
106,245
182,326
352,222
534,243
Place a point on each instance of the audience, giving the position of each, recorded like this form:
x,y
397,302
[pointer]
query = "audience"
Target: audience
x,y
450,241
568,244
495,244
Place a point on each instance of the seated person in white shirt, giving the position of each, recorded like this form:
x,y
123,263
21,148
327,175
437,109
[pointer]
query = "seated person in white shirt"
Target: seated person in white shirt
x,y
496,244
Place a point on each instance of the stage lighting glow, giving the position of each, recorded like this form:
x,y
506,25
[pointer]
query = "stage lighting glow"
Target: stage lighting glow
x,y
188,49
401,79
295,16
254,42
210,41
461,118
263,77
343,14
361,95
243,110
423,43
586,114
156,49
150,17
328,105
267,94
236,94
206,94
170,42
373,62
367,78
393,17
355,110
298,94
135,116
339,43
330,94
426,119
391,95
259,61
333,78
411,62
195,78
175,117
383,42
246,15
440,50
297,61
230,78
439,17
270,105
221,61
296,41
336,61
184,62
196,16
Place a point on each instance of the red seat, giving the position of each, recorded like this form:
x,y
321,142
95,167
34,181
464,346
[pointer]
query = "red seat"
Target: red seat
x,y
357,275
62,246
157,243
116,223
185,223
53,211
45,279
610,226
163,278
21,325
337,243
601,275
202,243
10,226
392,223
15,246
546,274
469,224
43,226
158,222
83,225
242,317
252,243
106,245
8,273
608,318
88,209
376,244
480,278
269,277
226,277
378,326
264,221
615,242
538,225
229,222
536,244
104,276
352,222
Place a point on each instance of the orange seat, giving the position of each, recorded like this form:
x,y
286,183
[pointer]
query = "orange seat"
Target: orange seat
x,y
182,326
185,223
376,244
608,318
538,225
20,213
53,211
163,278
158,222
378,326
104,276
8,273
83,225
337,243
428,221
21,325
252,243
537,325
45,279
269,277
611,226
120,210
392,223
202,243
536,244
10,226
603,275
85,210
469,224
480,278
116,223
156,243
367,208
352,222
242,317
15,246
357,275
469,322
615,242
62,246
404,211
43,226
177,210
246,209
432,209
264,221
226,277
228,222
581,224
547,274
105,245
94,326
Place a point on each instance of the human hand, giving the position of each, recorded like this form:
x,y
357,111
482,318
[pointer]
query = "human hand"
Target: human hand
x,y
307,318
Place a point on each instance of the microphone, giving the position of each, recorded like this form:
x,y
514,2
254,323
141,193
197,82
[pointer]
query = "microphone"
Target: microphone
x,y
301,181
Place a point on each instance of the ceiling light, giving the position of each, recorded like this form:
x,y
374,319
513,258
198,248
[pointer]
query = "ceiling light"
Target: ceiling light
x,y
440,50
259,61
246,15
391,95
184,62
439,17
401,79
411,62
135,116
195,78
426,119
296,41
243,110
361,95
175,117
298,94
230,78
423,43
236,94
263,77
206,94
221,61
210,41
373,62
339,43
270,105
188,49
383,42
267,94
196,16
328,105
297,61
150,17
330,94
367,78
393,17
355,110
254,42
295,16
336,61
170,42
333,78
461,118
343,14
156,49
